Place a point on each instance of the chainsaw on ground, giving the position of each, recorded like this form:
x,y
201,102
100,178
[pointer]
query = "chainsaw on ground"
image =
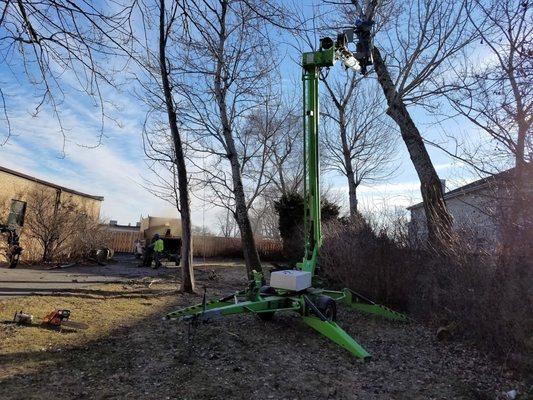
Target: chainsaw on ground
x,y
61,318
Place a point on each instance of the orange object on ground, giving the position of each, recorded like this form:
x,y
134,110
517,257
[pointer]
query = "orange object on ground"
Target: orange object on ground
x,y
58,318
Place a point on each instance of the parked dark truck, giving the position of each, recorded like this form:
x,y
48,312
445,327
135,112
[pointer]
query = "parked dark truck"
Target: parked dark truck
x,y
169,230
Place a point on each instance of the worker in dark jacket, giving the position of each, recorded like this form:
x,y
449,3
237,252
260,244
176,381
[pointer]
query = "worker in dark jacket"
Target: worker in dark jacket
x,y
148,252
158,250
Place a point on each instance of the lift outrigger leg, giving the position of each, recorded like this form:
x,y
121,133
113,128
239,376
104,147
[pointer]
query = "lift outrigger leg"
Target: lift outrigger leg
x,y
316,306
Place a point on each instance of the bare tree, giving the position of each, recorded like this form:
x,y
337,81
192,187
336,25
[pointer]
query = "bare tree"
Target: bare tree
x,y
163,141
42,40
226,224
228,76
91,239
283,126
287,155
165,27
52,222
286,163
202,231
493,91
264,217
367,144
424,35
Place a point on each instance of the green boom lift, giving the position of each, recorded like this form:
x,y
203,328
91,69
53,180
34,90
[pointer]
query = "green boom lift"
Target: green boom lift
x,y
291,290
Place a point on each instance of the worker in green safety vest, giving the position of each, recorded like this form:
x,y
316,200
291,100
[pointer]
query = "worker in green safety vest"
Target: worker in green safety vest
x,y
158,250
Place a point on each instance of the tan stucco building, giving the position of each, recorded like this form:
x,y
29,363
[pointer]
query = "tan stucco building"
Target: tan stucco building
x,y
164,226
15,188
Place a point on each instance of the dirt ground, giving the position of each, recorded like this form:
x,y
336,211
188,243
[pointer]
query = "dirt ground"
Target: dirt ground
x,y
128,351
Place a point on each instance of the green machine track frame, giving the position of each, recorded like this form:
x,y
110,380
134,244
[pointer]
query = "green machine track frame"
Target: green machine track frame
x,y
316,306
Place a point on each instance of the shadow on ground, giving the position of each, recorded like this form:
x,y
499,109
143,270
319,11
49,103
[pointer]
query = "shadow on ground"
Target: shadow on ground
x,y
242,357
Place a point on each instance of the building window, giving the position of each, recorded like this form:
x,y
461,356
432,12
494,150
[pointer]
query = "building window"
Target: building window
x,y
17,213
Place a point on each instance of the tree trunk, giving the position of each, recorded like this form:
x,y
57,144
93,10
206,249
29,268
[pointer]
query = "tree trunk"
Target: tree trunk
x,y
520,211
46,253
187,274
251,256
352,193
179,161
517,222
348,168
439,220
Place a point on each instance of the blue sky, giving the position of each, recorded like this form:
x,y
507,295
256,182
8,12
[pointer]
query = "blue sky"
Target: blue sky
x,y
116,168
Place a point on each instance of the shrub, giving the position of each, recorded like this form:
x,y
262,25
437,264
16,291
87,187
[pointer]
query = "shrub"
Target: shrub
x,y
290,209
486,298
355,256
59,230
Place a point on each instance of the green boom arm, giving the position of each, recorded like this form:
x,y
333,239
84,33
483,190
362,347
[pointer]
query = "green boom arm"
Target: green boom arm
x,y
265,303
312,62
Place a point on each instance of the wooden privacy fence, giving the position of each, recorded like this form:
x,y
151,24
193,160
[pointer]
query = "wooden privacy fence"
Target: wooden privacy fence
x,y
123,242
203,246
214,246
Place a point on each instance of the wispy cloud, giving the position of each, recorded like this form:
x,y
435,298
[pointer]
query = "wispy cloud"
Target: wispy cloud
x,y
115,169
392,187
449,166
382,198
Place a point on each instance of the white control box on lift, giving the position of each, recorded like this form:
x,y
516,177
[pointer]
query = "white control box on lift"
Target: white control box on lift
x,y
290,279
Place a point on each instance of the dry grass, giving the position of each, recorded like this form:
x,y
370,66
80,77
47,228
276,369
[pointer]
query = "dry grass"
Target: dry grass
x,y
130,353
102,317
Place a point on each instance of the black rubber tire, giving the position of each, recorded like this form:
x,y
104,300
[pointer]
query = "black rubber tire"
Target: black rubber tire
x,y
267,290
267,316
327,306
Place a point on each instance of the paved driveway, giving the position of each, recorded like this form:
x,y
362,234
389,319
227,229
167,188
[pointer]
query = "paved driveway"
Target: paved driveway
x,y
23,281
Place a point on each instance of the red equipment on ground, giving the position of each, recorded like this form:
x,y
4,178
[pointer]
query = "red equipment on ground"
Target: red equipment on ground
x,y
60,318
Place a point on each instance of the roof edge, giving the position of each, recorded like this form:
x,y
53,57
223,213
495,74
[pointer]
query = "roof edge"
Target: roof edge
x,y
455,193
50,184
470,187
